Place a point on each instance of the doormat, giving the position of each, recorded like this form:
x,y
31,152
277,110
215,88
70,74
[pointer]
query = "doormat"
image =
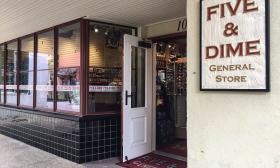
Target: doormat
x,y
178,148
153,161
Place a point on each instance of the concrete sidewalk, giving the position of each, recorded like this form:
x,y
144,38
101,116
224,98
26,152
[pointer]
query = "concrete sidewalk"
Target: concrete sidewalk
x,y
15,154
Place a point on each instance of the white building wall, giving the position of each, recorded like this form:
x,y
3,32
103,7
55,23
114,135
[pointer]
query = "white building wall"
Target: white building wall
x,y
232,129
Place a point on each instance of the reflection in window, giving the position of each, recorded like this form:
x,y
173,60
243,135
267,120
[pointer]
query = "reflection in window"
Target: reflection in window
x,y
105,62
26,69
138,77
45,71
2,55
12,49
68,74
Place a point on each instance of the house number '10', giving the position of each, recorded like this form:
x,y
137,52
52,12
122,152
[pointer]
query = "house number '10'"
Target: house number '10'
x,y
182,25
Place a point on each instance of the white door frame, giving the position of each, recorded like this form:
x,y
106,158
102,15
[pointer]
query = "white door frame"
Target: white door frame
x,y
137,140
154,119
154,131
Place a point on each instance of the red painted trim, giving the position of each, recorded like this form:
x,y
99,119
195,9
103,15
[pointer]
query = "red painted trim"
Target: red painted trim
x,y
84,66
35,69
18,74
55,68
5,72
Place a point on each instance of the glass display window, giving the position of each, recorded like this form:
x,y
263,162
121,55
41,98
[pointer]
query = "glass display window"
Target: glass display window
x,y
68,71
105,66
26,71
2,56
11,85
45,71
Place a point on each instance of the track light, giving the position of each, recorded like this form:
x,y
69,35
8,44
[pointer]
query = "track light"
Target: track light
x,y
106,32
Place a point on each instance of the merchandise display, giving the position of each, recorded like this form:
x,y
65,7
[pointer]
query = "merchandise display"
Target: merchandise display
x,y
171,89
105,67
105,76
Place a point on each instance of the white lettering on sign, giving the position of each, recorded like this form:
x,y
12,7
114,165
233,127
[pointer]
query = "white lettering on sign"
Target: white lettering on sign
x,y
11,87
93,88
68,88
44,87
233,45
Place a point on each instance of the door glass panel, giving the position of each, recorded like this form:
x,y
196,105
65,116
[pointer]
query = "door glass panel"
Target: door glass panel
x,y
138,77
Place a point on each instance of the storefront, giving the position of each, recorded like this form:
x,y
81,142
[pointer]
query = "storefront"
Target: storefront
x,y
155,119
84,89
234,129
61,89
80,91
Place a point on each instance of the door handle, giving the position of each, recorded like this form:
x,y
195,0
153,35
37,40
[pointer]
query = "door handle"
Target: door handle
x,y
126,97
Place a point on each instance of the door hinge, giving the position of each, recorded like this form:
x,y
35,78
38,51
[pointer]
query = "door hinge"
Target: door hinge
x,y
126,97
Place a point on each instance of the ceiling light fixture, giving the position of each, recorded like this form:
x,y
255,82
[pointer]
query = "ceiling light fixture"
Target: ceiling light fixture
x,y
106,32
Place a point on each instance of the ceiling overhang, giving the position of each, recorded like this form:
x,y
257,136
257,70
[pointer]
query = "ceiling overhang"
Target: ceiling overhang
x,y
18,18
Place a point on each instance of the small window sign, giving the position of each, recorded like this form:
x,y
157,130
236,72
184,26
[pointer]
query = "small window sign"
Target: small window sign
x,y
234,45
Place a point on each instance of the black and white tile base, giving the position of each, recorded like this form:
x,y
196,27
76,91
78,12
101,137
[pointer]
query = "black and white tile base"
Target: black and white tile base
x,y
74,138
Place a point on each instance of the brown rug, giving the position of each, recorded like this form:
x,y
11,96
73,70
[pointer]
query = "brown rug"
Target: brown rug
x,y
179,148
153,161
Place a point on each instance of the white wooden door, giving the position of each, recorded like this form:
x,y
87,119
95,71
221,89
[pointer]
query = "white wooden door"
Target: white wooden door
x,y
137,99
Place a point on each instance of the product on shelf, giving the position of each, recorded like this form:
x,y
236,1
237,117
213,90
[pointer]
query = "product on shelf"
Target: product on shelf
x,y
105,76
172,60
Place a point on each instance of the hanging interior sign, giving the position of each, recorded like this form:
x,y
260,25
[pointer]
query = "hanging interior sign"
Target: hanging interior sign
x,y
234,45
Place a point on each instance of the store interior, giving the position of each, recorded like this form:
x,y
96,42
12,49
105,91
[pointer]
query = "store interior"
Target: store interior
x,y
171,94
105,82
105,67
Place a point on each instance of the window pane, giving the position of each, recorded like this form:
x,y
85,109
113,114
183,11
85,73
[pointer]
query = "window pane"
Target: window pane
x,y
138,77
26,88
12,57
105,102
11,73
11,88
45,55
27,54
69,46
26,68
45,72
105,62
2,54
44,88
68,77
68,89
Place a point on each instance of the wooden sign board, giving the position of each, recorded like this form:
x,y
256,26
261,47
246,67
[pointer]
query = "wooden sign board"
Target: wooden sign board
x,y
234,45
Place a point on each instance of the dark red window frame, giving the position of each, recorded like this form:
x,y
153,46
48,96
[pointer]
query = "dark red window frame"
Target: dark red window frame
x,y
84,58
